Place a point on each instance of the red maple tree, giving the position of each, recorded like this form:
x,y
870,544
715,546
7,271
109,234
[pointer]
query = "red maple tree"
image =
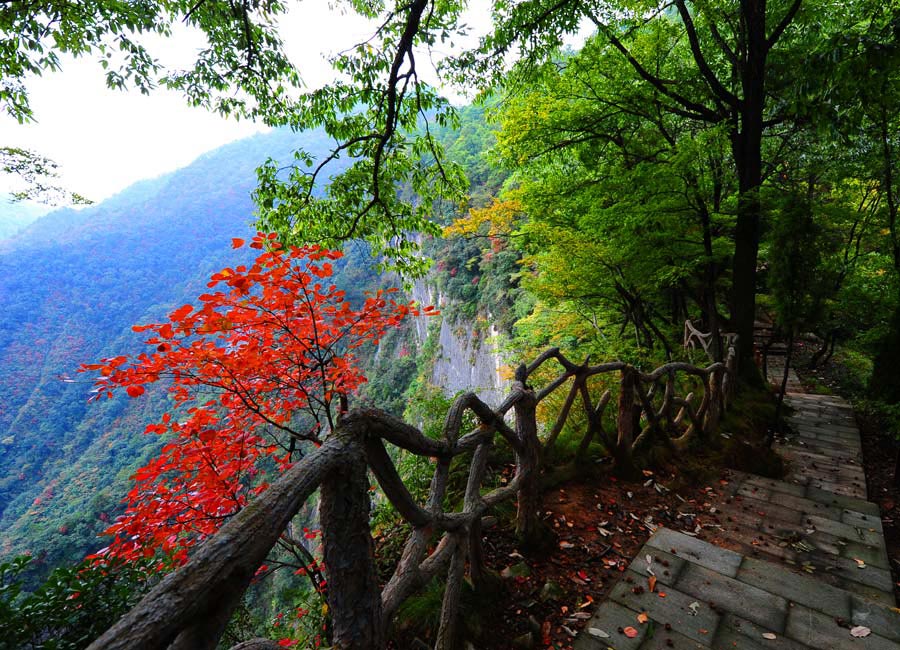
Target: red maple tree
x,y
255,369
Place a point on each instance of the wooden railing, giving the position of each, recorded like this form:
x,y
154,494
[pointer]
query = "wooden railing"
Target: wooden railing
x,y
694,338
189,608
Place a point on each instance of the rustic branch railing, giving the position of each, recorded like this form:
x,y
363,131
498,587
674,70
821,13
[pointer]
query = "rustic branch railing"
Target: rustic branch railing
x,y
189,608
694,338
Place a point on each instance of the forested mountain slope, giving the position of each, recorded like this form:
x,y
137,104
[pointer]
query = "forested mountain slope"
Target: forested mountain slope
x,y
71,286
74,282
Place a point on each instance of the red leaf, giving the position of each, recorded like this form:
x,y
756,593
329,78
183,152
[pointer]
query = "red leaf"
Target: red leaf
x,y
237,242
242,356
181,312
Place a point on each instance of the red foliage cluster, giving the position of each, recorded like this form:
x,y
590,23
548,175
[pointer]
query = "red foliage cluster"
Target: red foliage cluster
x,y
255,368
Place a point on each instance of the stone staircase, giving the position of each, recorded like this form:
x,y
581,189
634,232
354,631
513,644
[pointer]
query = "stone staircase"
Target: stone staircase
x,y
789,564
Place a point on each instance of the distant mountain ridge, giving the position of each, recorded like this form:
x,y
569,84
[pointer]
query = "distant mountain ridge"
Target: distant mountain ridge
x,y
15,216
71,285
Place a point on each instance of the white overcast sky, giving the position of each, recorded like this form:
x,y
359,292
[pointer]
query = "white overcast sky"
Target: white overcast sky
x,y
105,140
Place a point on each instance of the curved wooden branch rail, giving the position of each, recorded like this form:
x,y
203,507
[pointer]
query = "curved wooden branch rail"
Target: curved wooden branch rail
x,y
190,607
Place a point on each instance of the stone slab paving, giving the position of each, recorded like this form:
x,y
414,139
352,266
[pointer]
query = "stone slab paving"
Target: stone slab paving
x,y
833,537
825,452
710,597
803,558
775,374
816,521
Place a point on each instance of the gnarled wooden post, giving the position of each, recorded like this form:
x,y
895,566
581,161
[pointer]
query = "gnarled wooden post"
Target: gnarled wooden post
x,y
354,597
716,401
449,633
528,457
625,423
189,607
729,380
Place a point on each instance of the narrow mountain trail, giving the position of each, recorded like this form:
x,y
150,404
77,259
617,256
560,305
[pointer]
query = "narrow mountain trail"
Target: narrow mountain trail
x,y
787,564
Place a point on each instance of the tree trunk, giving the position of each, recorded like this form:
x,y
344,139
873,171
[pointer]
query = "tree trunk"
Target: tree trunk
x,y
820,353
747,150
884,383
770,438
897,468
746,250
354,597
450,635
709,289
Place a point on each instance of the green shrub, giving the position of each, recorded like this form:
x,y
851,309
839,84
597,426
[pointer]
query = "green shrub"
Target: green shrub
x,y
72,608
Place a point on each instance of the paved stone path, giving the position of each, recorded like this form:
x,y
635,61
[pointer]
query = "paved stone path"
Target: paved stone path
x,y
802,559
825,452
707,597
831,537
775,373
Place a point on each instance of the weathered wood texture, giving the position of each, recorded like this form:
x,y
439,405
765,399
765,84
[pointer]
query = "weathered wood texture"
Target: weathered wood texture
x,y
193,601
190,607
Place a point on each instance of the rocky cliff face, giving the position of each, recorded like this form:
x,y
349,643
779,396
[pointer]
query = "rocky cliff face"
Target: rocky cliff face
x,y
468,358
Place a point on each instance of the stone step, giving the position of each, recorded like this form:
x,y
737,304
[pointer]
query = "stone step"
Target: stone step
x,y
805,529
710,597
824,451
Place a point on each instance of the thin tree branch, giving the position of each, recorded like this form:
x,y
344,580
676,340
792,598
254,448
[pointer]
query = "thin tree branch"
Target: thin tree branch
x,y
779,29
715,85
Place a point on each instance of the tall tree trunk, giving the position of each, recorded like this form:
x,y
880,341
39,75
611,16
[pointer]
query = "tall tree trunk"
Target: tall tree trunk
x,y
625,422
884,384
885,381
747,150
788,357
709,289
746,250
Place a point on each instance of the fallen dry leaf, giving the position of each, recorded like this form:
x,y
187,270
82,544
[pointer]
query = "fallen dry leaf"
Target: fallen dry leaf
x,y
860,631
643,618
651,583
630,632
769,636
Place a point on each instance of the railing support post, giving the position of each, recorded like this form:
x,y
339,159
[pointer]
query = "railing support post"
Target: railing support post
x,y
528,457
354,597
716,402
625,423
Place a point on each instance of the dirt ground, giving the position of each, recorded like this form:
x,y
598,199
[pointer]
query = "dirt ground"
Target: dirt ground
x,y
600,525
